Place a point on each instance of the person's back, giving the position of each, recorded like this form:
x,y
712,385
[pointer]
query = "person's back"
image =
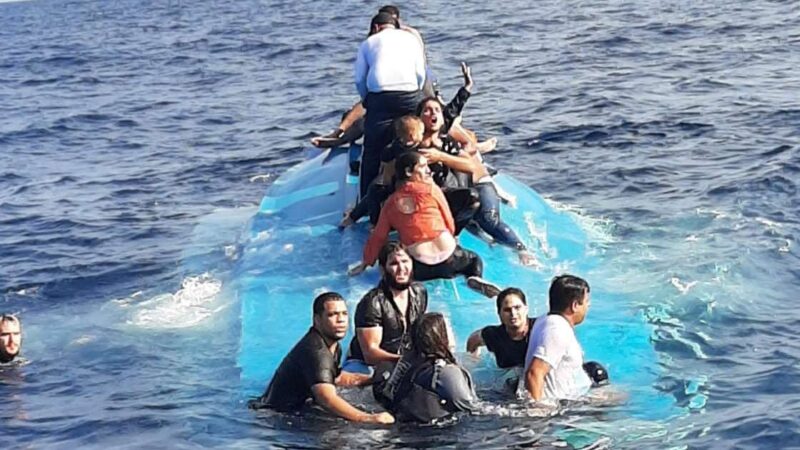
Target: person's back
x,y
393,59
433,390
553,340
428,383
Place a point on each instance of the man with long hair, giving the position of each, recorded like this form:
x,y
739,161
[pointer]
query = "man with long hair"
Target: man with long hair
x,y
387,315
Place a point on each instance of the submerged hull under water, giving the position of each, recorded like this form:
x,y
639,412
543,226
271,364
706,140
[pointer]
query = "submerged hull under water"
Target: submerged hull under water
x,y
294,251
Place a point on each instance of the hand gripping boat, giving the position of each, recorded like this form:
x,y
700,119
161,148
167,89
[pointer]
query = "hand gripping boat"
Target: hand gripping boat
x,y
293,251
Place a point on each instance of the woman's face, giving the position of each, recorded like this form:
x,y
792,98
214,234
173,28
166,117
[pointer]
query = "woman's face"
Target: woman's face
x,y
431,116
421,171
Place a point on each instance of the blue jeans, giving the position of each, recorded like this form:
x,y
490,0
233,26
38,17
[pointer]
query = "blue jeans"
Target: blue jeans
x,y
488,217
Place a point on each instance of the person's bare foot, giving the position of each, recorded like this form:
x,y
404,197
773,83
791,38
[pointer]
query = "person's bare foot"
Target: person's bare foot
x,y
346,220
487,145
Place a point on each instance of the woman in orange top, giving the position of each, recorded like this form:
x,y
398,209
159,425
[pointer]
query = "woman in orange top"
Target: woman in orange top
x,y
419,212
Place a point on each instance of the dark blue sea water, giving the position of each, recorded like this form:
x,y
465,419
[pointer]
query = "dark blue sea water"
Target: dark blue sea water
x,y
137,137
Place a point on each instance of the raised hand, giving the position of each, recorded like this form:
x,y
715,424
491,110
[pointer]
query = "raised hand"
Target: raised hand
x,y
467,72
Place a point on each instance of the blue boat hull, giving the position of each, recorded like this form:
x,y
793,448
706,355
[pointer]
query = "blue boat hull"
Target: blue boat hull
x,y
293,251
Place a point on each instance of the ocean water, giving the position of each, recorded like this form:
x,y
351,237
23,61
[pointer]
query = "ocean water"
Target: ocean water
x,y
137,138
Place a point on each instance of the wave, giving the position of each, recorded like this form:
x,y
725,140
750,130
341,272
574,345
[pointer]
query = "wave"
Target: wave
x,y
192,304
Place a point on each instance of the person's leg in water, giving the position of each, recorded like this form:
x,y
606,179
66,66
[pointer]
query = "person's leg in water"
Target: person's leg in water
x,y
464,204
462,262
488,218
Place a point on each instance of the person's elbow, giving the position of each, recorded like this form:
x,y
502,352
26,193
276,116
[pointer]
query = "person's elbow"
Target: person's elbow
x,y
323,394
474,342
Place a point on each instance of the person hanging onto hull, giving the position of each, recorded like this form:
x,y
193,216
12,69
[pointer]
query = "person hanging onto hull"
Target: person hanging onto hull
x,y
311,369
427,384
422,218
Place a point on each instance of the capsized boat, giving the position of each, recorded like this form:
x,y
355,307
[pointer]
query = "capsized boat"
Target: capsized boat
x,y
294,251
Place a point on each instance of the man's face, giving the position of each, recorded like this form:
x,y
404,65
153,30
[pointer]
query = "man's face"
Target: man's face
x,y
398,269
513,312
581,309
10,338
332,322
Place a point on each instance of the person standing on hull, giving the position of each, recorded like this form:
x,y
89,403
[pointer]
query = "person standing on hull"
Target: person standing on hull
x,y
387,315
418,211
427,384
311,369
389,75
509,340
10,337
554,360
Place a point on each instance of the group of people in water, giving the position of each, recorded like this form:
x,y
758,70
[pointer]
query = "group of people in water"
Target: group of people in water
x,y
407,354
422,175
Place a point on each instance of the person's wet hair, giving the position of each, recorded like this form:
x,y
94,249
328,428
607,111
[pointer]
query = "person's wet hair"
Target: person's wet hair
x,y
319,302
566,289
421,105
405,163
8,318
430,339
501,297
382,18
388,249
391,9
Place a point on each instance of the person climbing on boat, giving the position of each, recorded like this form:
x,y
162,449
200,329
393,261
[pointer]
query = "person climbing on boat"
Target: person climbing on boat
x,y
463,202
509,340
419,212
389,75
408,131
311,369
387,315
554,359
427,384
458,163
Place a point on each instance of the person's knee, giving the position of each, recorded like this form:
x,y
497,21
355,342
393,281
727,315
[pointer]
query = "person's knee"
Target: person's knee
x,y
489,217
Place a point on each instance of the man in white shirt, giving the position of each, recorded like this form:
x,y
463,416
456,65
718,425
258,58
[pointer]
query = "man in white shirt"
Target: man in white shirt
x,y
389,75
554,360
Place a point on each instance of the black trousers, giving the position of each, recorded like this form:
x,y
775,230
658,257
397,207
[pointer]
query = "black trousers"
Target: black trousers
x,y
382,109
461,262
463,203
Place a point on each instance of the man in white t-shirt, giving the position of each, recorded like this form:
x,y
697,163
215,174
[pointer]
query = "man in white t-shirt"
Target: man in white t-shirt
x,y
554,360
389,74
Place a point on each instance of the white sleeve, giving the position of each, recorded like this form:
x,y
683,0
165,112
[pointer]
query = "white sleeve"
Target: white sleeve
x,y
553,346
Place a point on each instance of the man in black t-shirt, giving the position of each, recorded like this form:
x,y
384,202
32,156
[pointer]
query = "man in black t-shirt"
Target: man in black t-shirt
x,y
311,369
388,314
509,340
